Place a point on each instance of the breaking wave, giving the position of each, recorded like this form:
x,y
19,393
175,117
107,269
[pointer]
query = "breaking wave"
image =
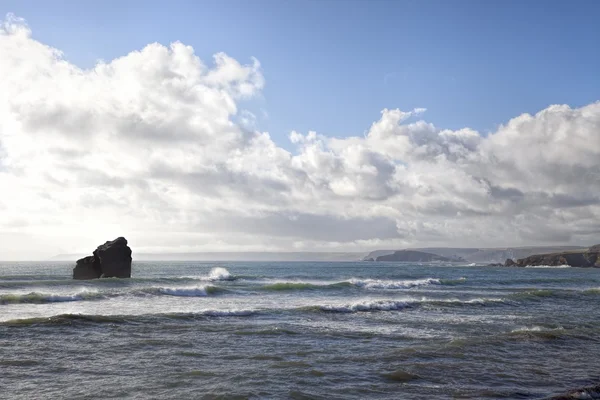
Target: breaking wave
x,y
86,295
41,298
383,284
220,274
183,291
215,274
380,305
395,305
360,283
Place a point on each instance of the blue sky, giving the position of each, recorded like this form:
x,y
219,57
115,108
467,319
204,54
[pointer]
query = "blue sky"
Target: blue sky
x,y
332,66
170,172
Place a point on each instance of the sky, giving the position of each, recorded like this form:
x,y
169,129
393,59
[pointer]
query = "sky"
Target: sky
x,y
299,125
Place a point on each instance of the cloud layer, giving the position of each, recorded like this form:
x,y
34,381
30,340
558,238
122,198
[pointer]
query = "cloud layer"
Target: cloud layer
x,y
154,146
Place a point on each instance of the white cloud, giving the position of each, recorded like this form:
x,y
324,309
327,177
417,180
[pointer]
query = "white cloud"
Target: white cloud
x,y
153,146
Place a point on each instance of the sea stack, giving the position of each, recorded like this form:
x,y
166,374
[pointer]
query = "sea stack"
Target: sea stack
x,y
110,260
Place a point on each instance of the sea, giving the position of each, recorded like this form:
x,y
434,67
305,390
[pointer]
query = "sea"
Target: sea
x,y
298,330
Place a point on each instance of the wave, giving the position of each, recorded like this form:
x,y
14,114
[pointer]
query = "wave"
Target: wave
x,y
23,281
379,305
86,295
539,294
215,274
41,298
220,274
282,286
197,291
70,319
387,284
535,329
395,305
29,277
535,294
360,283
453,282
548,266
482,301
540,332
592,291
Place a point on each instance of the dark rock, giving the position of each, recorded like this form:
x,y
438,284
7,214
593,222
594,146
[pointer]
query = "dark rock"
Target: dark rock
x,y
509,263
114,258
582,259
590,392
412,255
495,265
110,260
594,249
87,268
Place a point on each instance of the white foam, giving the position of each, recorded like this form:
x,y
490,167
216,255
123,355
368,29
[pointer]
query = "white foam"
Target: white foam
x,y
391,305
536,329
185,292
477,300
380,305
215,274
37,297
228,313
219,274
388,284
548,266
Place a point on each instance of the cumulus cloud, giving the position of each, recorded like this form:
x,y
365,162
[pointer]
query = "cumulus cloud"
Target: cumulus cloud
x,y
153,145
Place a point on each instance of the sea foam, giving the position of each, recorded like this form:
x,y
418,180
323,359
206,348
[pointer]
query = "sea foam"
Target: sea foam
x,y
184,291
41,298
215,274
379,305
388,284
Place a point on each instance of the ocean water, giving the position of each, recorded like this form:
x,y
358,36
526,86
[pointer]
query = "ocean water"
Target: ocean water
x,y
298,330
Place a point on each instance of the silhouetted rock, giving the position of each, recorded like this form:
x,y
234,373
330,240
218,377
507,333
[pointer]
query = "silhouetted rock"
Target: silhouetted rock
x,y
114,258
495,265
509,263
110,260
87,268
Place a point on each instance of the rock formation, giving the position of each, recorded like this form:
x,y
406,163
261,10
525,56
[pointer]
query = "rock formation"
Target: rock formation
x,y
110,260
509,263
590,392
582,259
86,268
412,255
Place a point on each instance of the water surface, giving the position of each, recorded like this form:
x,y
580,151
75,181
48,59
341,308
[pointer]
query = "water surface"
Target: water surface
x,y
298,330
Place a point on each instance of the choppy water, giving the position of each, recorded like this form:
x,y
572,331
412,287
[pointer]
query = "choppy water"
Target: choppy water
x,y
298,330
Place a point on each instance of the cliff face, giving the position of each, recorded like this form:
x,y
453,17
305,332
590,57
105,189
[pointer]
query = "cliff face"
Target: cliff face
x,y
412,255
482,255
583,259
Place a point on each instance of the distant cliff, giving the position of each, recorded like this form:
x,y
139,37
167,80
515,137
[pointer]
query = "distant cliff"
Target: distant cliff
x,y
483,255
582,259
412,255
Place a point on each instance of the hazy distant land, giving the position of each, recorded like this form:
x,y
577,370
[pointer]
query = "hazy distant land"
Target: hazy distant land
x,y
470,255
